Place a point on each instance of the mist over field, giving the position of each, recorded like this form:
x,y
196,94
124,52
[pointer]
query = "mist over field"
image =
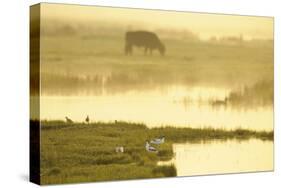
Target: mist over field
x,y
90,59
83,50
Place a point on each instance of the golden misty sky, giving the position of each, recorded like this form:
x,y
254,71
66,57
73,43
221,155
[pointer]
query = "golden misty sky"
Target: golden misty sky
x,y
205,25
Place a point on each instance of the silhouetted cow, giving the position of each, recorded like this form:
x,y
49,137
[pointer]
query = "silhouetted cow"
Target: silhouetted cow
x,y
145,39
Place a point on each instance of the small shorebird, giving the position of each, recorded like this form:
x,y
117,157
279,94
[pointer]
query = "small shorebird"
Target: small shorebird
x,y
223,102
68,120
87,119
119,149
160,140
150,148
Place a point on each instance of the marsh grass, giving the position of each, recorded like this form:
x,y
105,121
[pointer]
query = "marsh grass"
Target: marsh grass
x,y
86,152
168,171
71,65
259,94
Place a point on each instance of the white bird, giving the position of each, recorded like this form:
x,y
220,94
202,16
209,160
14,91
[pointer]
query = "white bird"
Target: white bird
x,y
68,120
160,140
150,148
119,149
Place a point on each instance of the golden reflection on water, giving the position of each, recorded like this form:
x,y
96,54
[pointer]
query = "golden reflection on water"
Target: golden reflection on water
x,y
158,109
219,157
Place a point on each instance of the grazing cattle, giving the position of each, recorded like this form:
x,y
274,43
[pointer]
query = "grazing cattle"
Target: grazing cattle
x,y
145,39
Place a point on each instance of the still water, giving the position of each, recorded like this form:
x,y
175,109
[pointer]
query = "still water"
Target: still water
x,y
218,157
175,106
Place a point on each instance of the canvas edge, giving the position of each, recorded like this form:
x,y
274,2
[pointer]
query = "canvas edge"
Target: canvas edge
x,y
34,92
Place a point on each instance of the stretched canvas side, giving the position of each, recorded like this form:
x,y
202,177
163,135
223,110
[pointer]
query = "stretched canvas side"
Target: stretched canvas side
x,y
34,128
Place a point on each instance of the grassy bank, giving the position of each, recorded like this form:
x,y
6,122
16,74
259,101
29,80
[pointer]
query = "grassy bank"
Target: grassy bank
x,y
80,152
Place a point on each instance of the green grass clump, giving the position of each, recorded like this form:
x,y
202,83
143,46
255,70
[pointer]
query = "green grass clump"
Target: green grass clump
x,y
167,171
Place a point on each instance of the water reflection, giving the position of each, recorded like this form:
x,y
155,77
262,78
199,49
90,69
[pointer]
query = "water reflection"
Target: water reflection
x,y
215,157
160,108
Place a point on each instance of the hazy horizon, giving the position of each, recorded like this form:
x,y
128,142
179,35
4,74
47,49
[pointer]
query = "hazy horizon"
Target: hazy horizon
x,y
205,25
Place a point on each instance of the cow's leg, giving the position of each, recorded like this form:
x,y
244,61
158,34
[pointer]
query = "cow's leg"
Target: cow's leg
x,y
145,50
128,49
150,51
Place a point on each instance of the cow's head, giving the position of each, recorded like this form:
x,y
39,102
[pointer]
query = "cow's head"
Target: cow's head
x,y
162,49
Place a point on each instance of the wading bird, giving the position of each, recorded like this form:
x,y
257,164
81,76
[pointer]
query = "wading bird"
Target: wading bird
x,y
160,140
68,120
87,119
150,148
119,149
223,102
